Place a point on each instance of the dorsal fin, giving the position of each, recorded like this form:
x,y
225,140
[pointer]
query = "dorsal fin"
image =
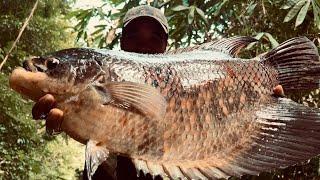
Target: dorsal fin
x,y
229,46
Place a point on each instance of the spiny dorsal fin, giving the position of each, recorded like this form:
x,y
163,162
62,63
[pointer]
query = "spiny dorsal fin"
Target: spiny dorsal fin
x,y
142,97
229,46
288,133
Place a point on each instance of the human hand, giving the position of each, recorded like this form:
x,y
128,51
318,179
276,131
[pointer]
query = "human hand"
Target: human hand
x,y
278,91
46,109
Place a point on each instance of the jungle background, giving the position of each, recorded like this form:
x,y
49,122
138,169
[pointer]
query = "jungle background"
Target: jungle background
x,y
26,152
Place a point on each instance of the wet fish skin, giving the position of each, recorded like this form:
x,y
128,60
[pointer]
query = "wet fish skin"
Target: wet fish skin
x,y
190,100
220,116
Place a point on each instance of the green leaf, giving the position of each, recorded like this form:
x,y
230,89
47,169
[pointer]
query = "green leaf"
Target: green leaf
x,y
1,54
99,30
180,8
185,2
80,33
289,4
85,35
82,14
316,12
274,43
302,14
217,8
116,15
251,7
100,12
294,11
116,2
101,26
191,15
98,37
259,35
202,15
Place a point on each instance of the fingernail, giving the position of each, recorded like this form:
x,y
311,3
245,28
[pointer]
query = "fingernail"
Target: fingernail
x,y
278,91
54,120
41,109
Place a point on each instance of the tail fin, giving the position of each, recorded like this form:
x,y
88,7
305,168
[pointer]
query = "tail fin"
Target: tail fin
x,y
287,134
298,64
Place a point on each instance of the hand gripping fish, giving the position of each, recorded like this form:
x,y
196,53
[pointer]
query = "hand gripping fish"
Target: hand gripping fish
x,y
196,114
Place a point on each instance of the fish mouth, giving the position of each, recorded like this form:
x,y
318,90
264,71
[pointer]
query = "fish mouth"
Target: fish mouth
x,y
40,76
31,79
28,82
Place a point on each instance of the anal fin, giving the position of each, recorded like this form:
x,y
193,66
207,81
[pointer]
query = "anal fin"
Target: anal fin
x,y
174,171
95,155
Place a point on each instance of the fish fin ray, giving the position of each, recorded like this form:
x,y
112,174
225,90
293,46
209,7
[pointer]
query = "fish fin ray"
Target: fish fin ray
x,y
142,97
287,135
174,171
154,169
297,62
177,171
194,173
230,46
95,155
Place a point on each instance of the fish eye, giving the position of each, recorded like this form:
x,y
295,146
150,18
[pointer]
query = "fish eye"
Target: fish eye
x,y
52,63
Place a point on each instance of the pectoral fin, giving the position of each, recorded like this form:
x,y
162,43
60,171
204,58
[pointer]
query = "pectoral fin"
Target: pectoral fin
x,y
145,98
96,155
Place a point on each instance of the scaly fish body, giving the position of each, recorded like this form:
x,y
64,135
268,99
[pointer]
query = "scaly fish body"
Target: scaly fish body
x,y
195,107
198,114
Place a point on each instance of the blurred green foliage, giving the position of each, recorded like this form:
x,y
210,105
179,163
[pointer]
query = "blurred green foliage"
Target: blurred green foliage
x,y
198,21
45,33
23,149
19,142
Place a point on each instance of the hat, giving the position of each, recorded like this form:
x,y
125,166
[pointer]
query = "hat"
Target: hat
x,y
146,10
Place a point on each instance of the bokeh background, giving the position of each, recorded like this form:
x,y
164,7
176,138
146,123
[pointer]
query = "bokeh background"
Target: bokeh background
x,y
26,152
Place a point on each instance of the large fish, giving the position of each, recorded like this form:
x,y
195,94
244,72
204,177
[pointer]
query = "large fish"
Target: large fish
x,y
199,113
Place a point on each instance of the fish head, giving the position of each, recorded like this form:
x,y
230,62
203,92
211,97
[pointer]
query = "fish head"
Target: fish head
x,y
64,73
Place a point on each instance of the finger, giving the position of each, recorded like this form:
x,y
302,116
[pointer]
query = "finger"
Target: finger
x,y
41,109
54,121
278,91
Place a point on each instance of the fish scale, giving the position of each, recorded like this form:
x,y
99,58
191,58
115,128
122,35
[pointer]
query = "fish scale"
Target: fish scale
x,y
243,74
196,113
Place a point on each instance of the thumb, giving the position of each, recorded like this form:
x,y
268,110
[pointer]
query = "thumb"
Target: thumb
x,y
54,121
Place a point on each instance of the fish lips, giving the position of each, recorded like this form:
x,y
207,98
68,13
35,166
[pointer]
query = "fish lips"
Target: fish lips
x,y
28,83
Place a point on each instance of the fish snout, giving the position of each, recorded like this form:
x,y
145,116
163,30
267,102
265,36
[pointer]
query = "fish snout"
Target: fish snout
x,y
39,64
